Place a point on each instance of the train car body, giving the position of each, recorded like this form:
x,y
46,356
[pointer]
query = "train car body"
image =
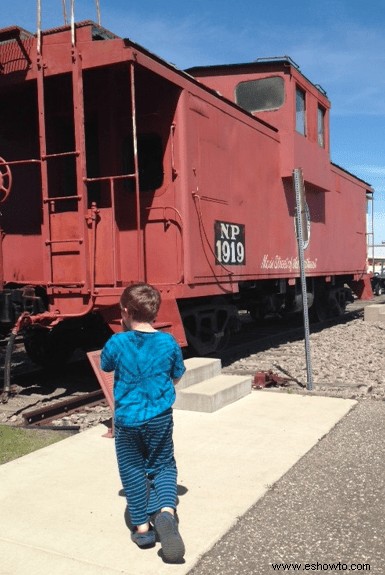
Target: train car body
x,y
116,167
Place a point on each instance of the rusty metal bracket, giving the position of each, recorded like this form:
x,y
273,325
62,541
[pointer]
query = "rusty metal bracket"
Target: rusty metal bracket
x,y
268,379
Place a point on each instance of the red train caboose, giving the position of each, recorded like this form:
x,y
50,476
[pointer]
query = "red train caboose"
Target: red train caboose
x,y
118,167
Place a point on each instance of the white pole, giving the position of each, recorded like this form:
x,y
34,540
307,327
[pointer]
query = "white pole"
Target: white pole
x,y
65,12
39,27
98,11
73,22
300,201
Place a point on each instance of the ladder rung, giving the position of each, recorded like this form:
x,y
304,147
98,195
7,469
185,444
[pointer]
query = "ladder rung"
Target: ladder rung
x,y
46,200
77,240
60,155
66,284
109,178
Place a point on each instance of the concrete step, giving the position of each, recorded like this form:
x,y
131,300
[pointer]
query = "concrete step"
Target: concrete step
x,y
199,369
213,394
375,312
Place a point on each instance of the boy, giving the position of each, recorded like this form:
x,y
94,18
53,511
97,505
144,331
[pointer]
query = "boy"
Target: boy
x,y
147,364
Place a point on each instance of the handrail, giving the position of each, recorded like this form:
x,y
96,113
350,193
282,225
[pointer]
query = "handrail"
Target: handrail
x,y
139,244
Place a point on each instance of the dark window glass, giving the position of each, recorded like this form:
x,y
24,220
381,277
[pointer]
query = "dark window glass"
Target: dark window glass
x,y
259,95
321,126
300,107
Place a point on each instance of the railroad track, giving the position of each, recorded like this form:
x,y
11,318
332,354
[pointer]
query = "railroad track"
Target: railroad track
x,y
40,397
45,415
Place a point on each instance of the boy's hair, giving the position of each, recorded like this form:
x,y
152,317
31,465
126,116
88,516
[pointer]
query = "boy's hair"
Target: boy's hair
x,y
142,301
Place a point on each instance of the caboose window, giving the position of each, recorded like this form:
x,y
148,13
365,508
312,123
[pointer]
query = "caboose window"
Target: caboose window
x,y
321,126
259,95
300,108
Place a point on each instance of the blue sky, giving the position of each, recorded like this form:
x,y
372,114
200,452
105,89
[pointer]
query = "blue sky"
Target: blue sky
x,y
339,44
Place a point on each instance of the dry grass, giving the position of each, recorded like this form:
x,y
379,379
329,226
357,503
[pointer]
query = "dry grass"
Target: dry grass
x,y
16,442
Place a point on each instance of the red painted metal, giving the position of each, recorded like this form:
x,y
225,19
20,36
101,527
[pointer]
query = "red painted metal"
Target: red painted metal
x,y
148,174
268,379
106,382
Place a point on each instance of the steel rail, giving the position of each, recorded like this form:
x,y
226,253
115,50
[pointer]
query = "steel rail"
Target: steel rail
x,y
48,413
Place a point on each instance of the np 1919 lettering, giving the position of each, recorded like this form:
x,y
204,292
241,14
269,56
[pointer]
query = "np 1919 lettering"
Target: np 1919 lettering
x,y
229,243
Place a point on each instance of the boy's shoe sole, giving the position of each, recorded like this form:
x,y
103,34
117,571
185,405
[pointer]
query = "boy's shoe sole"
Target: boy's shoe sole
x,y
172,543
144,540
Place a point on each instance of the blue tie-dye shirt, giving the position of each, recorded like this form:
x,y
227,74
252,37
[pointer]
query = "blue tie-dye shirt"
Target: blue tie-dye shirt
x,y
145,364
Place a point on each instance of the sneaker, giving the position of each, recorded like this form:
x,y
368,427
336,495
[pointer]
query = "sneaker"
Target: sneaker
x,y
144,540
172,543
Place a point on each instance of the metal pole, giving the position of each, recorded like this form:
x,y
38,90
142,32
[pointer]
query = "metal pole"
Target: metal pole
x,y
65,12
373,234
73,23
300,208
38,27
140,253
98,11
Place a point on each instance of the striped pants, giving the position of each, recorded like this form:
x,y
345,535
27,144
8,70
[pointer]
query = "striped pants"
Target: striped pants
x,y
147,466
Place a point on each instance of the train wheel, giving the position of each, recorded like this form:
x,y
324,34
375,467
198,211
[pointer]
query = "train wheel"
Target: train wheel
x,y
257,314
327,306
208,327
207,343
47,347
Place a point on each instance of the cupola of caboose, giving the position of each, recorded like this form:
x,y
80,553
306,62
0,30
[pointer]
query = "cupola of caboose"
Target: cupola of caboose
x,y
275,90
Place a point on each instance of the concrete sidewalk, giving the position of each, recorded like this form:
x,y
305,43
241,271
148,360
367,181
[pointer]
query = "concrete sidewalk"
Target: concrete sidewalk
x,y
61,508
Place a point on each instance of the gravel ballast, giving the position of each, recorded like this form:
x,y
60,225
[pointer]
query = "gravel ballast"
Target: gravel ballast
x,y
347,360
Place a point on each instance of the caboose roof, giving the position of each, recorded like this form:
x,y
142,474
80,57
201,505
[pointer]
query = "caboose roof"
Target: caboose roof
x,y
17,33
14,33
273,63
370,189
97,31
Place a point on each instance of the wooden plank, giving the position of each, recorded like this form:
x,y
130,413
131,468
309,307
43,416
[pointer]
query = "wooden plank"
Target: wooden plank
x,y
106,380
